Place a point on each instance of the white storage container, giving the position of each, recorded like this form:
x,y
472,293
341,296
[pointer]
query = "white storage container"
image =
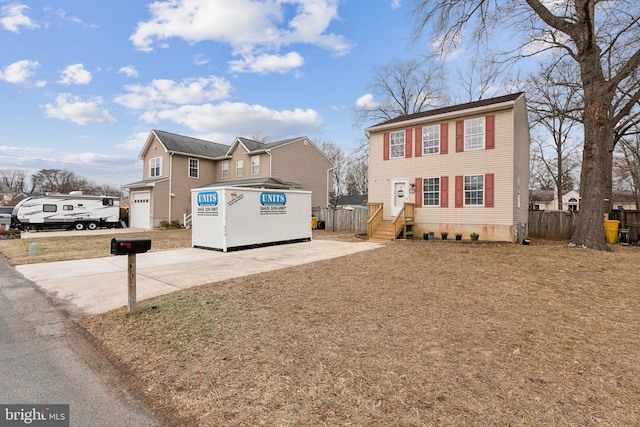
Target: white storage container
x,y
226,218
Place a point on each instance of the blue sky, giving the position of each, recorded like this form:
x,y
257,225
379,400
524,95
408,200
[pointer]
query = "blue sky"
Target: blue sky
x,y
84,82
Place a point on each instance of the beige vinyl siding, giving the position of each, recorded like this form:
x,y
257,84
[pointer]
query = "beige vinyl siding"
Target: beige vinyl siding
x,y
181,184
521,162
496,221
156,149
301,162
159,207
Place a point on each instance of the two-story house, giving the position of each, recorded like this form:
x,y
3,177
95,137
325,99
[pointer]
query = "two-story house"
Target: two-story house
x,y
174,164
460,169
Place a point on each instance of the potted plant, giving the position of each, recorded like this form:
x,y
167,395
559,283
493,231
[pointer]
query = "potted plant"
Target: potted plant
x,y
432,235
444,235
409,235
474,236
425,236
458,236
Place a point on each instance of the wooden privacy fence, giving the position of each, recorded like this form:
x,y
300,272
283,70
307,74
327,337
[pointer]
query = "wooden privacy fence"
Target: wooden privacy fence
x,y
549,225
344,219
552,225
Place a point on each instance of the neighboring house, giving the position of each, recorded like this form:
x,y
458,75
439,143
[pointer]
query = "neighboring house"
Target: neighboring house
x,y
541,200
174,164
352,201
548,200
461,169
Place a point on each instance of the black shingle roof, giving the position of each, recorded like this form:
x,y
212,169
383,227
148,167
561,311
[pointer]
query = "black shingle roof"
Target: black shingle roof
x,y
188,145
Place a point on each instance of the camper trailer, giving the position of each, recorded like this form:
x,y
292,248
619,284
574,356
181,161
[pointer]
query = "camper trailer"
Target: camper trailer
x,y
70,211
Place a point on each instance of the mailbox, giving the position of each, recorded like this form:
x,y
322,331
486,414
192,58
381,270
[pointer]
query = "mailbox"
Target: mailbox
x,y
129,246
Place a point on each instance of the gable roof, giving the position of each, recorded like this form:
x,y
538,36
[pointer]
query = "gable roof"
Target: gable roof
x,y
257,182
451,109
181,144
254,147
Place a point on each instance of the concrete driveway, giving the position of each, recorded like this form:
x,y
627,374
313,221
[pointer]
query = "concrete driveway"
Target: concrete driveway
x,y
100,284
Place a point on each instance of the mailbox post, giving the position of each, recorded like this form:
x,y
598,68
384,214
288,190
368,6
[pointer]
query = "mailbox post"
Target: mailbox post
x,y
130,247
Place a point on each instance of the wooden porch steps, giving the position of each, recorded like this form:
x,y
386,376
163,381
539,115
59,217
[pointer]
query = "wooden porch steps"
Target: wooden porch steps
x,y
383,232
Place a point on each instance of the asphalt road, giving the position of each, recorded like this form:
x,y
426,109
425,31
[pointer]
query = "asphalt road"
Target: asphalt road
x,y
45,359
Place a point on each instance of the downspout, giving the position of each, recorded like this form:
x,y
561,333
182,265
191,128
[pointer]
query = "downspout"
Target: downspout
x,y
328,190
270,165
170,183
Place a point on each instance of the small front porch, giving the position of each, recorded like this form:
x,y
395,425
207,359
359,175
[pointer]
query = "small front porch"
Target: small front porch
x,y
382,229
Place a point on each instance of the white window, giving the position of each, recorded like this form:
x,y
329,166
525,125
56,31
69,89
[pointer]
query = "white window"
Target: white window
x,y
155,167
225,169
431,192
396,144
239,167
474,190
474,134
194,167
431,139
255,165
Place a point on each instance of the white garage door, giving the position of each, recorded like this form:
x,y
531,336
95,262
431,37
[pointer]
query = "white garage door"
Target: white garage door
x,y
140,210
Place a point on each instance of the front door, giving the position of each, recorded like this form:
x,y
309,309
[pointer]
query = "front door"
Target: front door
x,y
399,195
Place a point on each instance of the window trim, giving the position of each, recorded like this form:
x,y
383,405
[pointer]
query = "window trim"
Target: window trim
x,y
465,191
239,167
255,166
155,163
480,134
192,168
397,143
429,189
435,143
224,169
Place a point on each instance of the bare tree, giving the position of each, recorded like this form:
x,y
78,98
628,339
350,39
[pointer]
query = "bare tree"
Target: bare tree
x,y
478,79
627,163
554,103
337,156
13,180
600,37
401,88
65,181
357,176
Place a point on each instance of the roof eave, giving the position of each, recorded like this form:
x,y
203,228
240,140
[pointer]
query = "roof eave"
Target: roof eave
x,y
438,117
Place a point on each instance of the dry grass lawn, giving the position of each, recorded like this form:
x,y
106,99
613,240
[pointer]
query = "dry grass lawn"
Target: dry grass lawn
x,y
414,333
78,246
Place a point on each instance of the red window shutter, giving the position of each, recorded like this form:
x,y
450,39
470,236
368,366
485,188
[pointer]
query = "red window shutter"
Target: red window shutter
x,y
459,191
488,190
444,138
490,130
418,143
444,191
408,144
418,192
459,136
385,146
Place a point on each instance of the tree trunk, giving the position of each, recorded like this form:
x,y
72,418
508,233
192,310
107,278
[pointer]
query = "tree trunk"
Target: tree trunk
x,y
596,175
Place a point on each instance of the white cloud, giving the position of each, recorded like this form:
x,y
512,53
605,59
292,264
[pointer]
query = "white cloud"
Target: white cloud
x,y
75,74
13,17
161,93
74,109
366,101
263,64
19,71
257,33
135,141
227,120
129,71
395,4
200,59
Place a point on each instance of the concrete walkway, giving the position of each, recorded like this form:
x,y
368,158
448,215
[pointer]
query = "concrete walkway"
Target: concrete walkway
x,y
100,284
